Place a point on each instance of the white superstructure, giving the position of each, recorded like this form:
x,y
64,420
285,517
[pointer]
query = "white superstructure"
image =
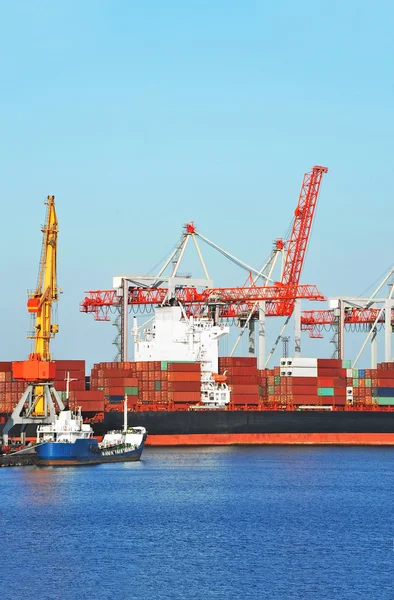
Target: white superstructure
x,y
68,427
174,336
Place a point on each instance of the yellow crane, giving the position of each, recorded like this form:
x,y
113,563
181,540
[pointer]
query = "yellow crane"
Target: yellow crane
x,y
38,403
40,302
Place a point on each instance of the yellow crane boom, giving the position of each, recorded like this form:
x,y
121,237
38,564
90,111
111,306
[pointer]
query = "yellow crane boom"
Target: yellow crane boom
x,y
40,302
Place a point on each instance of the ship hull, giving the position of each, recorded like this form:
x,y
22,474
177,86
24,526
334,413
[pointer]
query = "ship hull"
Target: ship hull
x,y
185,428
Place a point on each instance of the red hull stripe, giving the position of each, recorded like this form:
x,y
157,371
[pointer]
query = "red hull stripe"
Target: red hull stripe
x,y
228,439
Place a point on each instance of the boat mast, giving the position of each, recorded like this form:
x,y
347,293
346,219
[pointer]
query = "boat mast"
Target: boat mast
x,y
125,413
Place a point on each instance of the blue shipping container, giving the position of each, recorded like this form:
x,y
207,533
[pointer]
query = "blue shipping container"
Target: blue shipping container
x,y
361,373
116,399
385,392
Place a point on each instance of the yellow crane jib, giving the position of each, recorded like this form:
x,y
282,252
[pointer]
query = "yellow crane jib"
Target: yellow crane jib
x,y
40,303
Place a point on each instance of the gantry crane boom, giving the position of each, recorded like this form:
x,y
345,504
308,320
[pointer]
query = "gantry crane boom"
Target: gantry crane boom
x,y
101,299
298,243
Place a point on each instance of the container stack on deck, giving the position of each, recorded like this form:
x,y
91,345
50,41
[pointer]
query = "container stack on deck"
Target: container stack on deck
x,y
243,379
10,390
296,384
155,385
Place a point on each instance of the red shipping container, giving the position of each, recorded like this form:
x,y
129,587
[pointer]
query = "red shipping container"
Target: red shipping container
x,y
329,362
181,367
116,391
60,386
130,382
385,382
242,379
73,374
325,382
339,382
245,389
186,396
331,372
93,395
312,400
73,365
77,385
184,386
6,367
93,407
243,371
184,376
245,399
304,390
338,392
340,400
309,381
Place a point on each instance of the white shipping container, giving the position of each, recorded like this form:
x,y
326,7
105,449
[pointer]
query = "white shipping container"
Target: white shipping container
x,y
286,372
349,373
304,371
349,391
302,362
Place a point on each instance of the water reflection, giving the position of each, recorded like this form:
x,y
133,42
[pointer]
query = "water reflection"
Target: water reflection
x,y
46,485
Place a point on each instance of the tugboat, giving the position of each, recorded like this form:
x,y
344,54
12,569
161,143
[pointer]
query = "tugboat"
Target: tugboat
x,y
68,441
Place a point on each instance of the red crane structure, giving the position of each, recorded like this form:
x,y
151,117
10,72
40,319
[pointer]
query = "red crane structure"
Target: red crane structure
x,y
357,314
278,297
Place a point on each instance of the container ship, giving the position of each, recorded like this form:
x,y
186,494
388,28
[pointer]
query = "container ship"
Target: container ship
x,y
183,393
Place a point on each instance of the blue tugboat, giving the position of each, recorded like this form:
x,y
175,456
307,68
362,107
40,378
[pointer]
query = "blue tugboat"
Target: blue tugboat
x,y
68,441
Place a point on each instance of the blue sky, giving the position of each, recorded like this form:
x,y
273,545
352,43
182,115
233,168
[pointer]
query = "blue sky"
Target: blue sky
x,y
141,116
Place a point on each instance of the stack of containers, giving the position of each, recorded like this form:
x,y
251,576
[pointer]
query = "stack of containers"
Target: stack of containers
x,y
10,390
184,383
301,379
149,385
242,379
331,381
75,370
383,391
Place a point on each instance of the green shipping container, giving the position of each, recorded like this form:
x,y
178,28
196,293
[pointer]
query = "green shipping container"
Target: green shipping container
x,y
157,386
131,390
271,390
346,364
385,401
368,383
164,365
325,391
355,373
355,382
277,379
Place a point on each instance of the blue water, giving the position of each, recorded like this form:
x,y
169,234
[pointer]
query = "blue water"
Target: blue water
x,y
214,523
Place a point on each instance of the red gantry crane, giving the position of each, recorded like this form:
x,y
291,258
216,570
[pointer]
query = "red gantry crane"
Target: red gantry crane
x,y
279,297
357,314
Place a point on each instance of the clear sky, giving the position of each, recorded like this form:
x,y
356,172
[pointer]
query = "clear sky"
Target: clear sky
x,y
140,116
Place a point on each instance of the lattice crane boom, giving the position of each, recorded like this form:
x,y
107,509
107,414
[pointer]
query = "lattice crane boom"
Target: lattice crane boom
x,y
302,225
40,303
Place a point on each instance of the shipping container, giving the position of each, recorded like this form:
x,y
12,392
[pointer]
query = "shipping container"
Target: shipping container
x,y
131,390
385,392
387,401
328,391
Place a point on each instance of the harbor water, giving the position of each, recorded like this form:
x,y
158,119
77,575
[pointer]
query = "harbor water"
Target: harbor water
x,y
219,523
